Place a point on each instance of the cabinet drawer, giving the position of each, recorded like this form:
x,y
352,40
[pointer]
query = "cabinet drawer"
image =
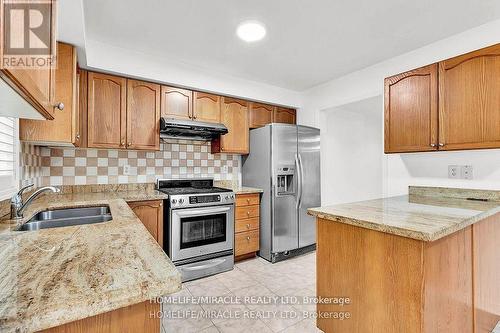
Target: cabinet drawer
x,y
247,199
246,224
246,212
246,242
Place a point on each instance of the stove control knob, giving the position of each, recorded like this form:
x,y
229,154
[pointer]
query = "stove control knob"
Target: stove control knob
x,y
174,201
181,201
227,197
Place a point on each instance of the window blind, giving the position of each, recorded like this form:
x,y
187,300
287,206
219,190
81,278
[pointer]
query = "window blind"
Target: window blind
x,y
8,157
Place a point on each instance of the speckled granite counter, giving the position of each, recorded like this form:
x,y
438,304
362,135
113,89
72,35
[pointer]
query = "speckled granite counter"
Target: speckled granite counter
x,y
238,189
55,276
426,214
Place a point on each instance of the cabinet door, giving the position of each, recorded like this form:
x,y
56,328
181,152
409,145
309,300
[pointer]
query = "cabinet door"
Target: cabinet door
x,y
143,115
36,86
106,111
234,114
469,100
64,127
260,114
206,107
284,115
151,215
176,103
411,103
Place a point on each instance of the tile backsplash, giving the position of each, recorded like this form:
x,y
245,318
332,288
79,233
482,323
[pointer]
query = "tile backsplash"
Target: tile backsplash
x,y
175,159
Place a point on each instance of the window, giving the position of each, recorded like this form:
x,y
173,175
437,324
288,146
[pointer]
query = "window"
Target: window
x,y
9,154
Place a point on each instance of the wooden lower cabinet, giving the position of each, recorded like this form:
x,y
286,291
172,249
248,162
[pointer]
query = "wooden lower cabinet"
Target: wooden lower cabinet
x,y
247,224
151,215
397,284
141,317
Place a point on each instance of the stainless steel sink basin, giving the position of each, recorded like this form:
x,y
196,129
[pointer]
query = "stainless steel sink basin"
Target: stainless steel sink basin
x,y
67,217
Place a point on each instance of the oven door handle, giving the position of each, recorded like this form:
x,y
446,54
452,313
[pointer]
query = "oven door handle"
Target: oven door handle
x,y
212,263
201,212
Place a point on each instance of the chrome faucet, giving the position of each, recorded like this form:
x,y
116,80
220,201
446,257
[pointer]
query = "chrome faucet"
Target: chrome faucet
x,y
16,202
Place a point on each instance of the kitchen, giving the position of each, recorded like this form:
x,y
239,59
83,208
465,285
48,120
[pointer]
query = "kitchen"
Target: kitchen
x,y
175,186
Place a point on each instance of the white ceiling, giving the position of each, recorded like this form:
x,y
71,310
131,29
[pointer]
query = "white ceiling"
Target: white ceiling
x,y
308,42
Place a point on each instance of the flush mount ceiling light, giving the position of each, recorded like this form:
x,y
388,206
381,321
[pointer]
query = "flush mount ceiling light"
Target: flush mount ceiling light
x,y
251,31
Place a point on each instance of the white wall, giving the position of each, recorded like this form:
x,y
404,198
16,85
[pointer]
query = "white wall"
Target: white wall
x,y
351,152
401,170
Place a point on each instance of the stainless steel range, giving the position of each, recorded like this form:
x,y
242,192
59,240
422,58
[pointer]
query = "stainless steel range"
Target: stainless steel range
x,y
198,226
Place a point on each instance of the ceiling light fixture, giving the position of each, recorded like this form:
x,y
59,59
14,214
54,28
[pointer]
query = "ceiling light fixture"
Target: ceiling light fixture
x,y
251,31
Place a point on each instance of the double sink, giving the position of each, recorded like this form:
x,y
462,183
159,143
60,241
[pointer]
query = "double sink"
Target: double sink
x,y
66,217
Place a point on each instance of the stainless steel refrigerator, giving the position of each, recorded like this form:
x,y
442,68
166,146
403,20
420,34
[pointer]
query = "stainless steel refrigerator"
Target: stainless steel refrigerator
x,y
284,161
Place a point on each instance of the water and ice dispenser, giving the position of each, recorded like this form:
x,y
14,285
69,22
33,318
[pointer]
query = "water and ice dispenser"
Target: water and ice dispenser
x,y
284,180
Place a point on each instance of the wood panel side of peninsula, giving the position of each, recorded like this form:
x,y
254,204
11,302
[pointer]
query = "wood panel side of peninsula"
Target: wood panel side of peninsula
x,y
398,284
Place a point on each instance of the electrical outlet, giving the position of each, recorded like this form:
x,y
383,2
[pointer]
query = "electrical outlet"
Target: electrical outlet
x,y
466,172
126,170
454,171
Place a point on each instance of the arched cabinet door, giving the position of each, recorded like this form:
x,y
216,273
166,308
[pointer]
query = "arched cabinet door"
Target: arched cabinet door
x,y
151,215
234,114
206,107
411,111
107,118
469,100
176,103
260,114
143,115
284,115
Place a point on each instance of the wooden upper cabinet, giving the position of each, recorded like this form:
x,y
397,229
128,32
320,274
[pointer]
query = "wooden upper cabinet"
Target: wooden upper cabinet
x,y
36,86
151,215
64,129
260,114
143,115
206,107
284,115
469,100
176,103
411,111
234,114
107,96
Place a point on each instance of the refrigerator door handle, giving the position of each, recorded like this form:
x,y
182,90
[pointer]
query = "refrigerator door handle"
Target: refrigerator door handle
x,y
301,180
299,184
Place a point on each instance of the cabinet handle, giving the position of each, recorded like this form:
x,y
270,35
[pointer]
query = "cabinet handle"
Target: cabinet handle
x,y
78,137
248,213
248,200
441,144
248,237
59,106
122,143
433,145
129,144
248,225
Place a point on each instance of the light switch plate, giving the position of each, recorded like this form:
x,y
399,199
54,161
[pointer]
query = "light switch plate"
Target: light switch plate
x,y
467,172
454,171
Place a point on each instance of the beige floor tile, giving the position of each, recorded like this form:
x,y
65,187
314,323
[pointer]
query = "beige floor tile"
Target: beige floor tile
x,y
279,316
188,318
222,312
243,326
211,329
212,287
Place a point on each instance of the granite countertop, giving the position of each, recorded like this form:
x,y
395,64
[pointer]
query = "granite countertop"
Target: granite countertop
x,y
425,215
238,189
55,276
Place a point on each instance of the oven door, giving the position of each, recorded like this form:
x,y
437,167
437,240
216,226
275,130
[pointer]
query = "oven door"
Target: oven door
x,y
200,231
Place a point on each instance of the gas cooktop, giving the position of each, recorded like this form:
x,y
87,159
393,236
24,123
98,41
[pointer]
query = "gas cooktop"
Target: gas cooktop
x,y
188,186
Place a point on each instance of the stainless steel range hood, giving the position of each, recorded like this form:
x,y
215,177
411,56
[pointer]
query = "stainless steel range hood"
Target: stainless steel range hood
x,y
191,130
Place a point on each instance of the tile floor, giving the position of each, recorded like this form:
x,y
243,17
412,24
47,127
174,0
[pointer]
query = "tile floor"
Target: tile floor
x,y
254,297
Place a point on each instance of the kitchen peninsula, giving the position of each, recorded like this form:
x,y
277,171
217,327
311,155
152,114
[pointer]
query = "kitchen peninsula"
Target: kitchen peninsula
x,y
102,277
423,262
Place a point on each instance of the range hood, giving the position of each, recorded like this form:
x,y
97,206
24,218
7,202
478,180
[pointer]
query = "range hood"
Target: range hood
x,y
191,130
